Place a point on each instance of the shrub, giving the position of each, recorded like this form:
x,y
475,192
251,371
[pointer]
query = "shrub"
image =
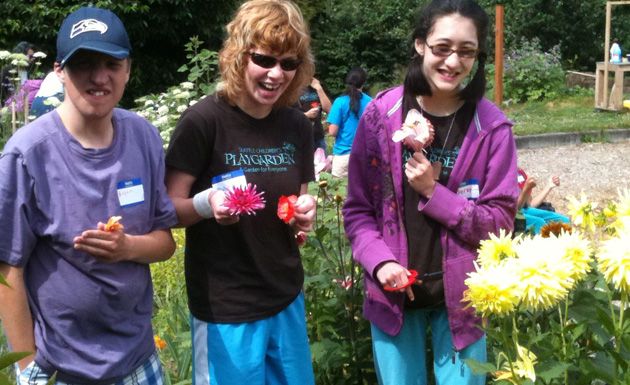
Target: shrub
x,y
531,74
164,109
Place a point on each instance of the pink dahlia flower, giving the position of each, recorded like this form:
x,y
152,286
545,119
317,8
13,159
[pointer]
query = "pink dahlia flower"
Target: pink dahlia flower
x,y
244,200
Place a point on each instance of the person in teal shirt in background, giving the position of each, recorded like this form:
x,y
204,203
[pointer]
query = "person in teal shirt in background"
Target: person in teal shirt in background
x,y
344,117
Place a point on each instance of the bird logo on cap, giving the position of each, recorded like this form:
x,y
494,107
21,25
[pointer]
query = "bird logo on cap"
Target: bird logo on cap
x,y
88,25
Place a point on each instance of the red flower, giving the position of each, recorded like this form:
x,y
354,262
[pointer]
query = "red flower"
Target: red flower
x,y
286,207
314,104
301,238
244,200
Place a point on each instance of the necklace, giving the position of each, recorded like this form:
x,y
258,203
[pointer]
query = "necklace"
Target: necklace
x,y
437,165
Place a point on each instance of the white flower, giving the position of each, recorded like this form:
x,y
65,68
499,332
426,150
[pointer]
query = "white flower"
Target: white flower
x,y
176,91
163,110
4,55
19,62
181,109
148,103
188,85
4,111
52,101
183,95
161,121
192,103
39,55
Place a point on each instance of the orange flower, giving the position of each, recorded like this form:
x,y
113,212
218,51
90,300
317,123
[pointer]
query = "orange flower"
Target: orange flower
x,y
113,224
159,343
555,228
286,207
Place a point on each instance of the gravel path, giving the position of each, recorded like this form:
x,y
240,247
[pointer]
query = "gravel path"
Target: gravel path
x,y
597,168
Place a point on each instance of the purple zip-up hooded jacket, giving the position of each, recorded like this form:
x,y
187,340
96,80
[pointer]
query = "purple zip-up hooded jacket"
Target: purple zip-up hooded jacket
x,y
373,212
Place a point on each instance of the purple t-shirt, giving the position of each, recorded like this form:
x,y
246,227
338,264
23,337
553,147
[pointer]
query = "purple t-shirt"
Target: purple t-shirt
x,y
92,319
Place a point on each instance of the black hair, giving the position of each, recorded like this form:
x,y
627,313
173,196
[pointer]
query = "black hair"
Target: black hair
x,y
23,47
415,81
355,79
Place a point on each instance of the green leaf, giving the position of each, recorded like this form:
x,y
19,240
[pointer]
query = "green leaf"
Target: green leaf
x,y
11,358
551,369
606,321
3,281
52,379
479,367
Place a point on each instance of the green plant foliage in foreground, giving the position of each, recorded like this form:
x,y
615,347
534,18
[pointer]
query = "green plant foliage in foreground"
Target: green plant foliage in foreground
x,y
341,344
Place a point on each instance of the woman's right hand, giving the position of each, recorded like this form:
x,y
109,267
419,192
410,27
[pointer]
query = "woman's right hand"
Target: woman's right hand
x,y
221,212
393,274
312,113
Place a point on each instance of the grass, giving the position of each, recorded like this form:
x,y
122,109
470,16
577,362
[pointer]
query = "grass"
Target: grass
x,y
572,113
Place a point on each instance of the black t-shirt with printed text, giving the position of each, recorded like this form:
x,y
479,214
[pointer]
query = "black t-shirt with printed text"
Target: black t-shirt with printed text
x,y
310,99
423,232
250,270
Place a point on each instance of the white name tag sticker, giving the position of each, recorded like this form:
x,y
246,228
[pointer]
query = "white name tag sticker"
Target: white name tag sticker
x,y
130,192
469,189
229,180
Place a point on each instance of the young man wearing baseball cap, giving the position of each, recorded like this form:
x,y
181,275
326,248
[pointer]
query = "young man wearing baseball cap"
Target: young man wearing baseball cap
x,y
81,295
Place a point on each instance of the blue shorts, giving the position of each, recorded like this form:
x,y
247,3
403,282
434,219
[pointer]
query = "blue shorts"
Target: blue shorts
x,y
149,373
538,218
272,351
401,359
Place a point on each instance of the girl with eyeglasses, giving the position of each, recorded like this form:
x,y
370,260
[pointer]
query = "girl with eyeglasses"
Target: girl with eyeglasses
x,y
426,208
244,274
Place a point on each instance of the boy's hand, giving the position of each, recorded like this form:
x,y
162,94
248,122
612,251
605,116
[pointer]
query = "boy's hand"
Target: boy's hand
x,y
108,246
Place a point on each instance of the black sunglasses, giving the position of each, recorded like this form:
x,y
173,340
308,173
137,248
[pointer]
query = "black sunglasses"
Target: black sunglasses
x,y
265,61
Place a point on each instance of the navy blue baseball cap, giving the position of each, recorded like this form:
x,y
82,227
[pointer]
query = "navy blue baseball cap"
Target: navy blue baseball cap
x,y
92,29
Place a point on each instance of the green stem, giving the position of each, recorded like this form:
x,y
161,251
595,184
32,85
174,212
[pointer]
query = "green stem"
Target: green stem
x,y
506,342
563,322
340,241
619,329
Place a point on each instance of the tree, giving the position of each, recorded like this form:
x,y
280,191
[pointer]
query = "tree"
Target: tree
x,y
158,30
373,34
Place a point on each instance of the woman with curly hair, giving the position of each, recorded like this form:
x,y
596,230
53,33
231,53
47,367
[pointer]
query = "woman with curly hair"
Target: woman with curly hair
x,y
244,274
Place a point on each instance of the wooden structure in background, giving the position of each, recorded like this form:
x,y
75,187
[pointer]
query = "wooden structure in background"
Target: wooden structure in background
x,y
603,99
498,55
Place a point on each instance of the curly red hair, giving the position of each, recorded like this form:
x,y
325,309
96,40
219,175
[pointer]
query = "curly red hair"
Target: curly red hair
x,y
275,26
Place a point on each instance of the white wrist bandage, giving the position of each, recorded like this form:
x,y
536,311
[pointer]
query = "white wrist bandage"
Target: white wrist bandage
x,y
202,205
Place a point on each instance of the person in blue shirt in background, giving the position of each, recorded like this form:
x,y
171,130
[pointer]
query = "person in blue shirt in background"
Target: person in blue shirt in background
x,y
344,117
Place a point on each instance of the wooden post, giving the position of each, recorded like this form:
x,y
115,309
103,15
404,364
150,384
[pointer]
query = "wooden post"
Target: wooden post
x,y
603,88
13,116
26,106
498,55
607,52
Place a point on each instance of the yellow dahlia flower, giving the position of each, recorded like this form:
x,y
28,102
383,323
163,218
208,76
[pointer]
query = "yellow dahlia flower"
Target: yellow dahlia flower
x,y
613,261
492,290
543,273
492,251
523,367
622,210
577,253
582,212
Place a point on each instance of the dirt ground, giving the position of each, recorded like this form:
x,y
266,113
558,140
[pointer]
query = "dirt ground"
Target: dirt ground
x,y
599,169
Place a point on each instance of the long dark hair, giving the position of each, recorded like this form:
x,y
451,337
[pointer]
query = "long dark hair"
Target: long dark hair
x,y
355,79
415,81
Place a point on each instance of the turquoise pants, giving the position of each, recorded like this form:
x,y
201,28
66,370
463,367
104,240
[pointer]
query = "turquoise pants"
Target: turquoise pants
x,y
538,218
401,359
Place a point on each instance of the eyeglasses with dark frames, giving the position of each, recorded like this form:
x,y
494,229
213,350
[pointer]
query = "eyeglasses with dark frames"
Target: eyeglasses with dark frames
x,y
265,61
444,50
